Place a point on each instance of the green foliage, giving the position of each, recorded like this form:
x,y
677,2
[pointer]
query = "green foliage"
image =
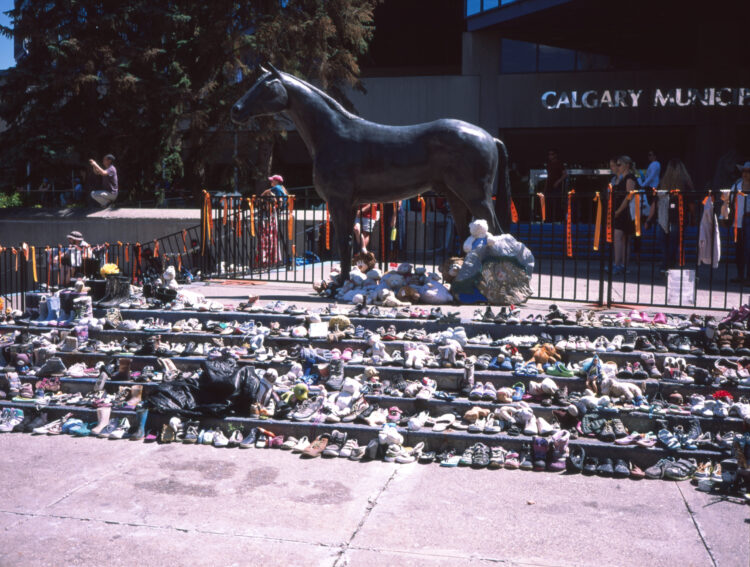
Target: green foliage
x,y
152,82
8,200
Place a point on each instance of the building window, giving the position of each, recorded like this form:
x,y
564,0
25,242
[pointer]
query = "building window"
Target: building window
x,y
517,56
556,59
473,7
490,4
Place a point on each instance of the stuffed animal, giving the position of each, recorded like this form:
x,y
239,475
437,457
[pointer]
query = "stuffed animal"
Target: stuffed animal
x,y
416,354
449,352
377,350
387,298
618,389
170,280
450,268
544,354
408,293
479,232
365,261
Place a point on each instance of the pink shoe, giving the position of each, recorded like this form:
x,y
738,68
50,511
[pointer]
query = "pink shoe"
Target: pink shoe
x,y
645,318
660,319
635,316
346,356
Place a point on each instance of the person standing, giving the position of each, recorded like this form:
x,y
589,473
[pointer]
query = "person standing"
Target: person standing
x,y
367,216
623,222
108,193
653,171
665,207
740,219
554,188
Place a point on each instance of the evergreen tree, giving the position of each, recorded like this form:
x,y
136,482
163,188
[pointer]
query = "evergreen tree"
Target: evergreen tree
x,y
153,82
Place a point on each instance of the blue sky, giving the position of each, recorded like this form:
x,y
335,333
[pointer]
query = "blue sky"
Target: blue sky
x,y
6,45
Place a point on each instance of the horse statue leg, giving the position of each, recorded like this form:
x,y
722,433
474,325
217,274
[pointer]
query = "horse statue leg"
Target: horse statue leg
x,y
342,216
460,214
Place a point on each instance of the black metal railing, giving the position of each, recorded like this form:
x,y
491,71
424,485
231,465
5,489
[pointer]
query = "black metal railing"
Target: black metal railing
x,y
280,239
35,268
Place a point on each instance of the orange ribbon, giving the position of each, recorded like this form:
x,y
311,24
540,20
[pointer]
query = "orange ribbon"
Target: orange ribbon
x,y
179,262
15,253
33,262
156,248
422,202
184,240
208,222
636,196
680,205
251,205
598,225
290,218
513,212
609,213
542,206
127,256
328,229
48,254
59,263
239,218
225,204
568,229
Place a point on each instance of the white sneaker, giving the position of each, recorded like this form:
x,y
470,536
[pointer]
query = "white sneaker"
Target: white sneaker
x,y
616,343
545,428
220,440
301,445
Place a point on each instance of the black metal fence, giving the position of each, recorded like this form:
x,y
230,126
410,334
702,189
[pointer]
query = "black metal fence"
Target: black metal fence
x,y
574,238
32,268
280,239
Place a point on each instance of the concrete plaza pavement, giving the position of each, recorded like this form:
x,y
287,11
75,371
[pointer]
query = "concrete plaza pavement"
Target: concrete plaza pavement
x,y
80,501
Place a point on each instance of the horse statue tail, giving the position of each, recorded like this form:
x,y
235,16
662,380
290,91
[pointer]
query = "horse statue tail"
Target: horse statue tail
x,y
502,186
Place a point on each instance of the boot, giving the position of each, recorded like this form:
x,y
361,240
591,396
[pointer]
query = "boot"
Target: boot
x,y
336,375
136,395
53,310
118,290
68,306
466,383
83,310
141,415
31,301
123,369
102,413
43,312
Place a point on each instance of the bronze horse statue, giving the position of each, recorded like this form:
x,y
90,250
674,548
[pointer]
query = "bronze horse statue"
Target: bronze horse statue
x,y
357,162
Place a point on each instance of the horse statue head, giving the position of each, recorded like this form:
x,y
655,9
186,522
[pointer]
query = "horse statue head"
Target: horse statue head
x,y
266,96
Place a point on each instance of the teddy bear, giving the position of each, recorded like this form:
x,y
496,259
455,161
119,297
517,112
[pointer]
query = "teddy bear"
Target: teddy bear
x,y
543,354
432,292
169,277
450,268
365,261
408,293
479,232
614,388
450,352
340,403
376,349
387,298
416,354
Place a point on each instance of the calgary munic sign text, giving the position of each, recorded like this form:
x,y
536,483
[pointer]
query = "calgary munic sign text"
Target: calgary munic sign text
x,y
658,98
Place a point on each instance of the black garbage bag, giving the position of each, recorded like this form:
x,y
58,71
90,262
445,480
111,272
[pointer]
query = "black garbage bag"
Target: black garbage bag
x,y
177,397
219,381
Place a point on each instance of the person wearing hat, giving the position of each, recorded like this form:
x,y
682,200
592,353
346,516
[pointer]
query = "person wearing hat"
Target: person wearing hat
x,y
108,193
277,188
740,217
272,215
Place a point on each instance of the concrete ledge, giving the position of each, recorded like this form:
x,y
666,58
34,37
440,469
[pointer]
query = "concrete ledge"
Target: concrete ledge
x,y
45,227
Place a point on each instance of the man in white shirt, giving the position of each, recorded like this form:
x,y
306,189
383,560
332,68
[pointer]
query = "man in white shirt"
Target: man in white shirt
x,y
652,172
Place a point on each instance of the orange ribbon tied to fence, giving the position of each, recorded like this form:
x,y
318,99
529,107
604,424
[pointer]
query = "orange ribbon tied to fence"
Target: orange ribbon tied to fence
x,y
598,225
225,204
184,241
637,205
513,212
423,204
33,262
328,229
681,209
48,255
15,253
290,218
156,248
609,213
207,221
568,228
382,229
542,206
251,206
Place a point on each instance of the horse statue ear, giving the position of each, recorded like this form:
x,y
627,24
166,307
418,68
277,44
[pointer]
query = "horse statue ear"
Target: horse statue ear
x,y
263,70
275,72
